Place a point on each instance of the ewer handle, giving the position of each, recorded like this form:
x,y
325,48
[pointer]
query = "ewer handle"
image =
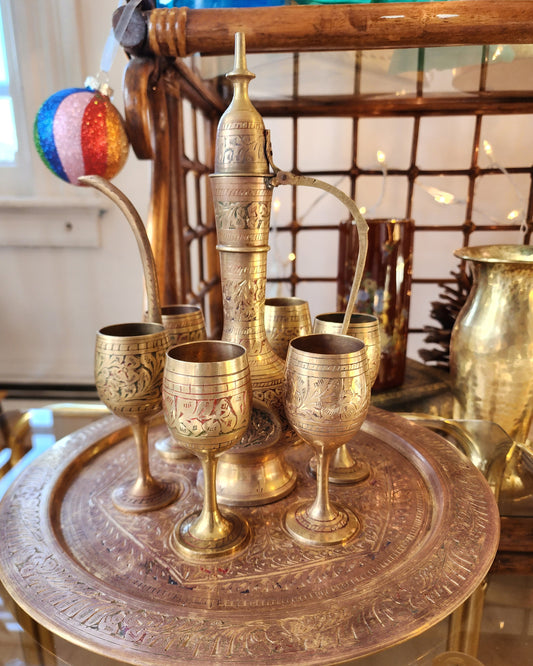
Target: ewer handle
x,y
287,178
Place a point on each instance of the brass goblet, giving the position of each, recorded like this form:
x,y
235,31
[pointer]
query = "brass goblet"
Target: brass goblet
x,y
129,363
343,468
207,402
183,323
326,401
286,318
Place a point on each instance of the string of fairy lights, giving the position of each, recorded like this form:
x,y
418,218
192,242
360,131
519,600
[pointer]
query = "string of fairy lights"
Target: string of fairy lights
x,y
515,216
281,260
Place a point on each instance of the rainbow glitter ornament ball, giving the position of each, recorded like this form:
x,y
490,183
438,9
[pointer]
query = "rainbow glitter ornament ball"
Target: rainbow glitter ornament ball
x,y
78,132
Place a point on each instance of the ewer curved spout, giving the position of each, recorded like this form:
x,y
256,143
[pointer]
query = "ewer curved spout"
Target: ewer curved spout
x,y
145,249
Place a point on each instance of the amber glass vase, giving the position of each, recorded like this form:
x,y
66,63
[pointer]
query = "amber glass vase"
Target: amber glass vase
x,y
385,289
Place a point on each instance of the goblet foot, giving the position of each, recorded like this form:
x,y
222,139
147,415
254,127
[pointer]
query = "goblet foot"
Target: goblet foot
x,y
170,451
311,532
355,473
155,495
186,544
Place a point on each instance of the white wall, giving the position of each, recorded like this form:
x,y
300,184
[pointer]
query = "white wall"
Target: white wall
x,y
53,300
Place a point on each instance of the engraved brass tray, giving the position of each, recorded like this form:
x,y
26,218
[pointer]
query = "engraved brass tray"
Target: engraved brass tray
x,y
109,582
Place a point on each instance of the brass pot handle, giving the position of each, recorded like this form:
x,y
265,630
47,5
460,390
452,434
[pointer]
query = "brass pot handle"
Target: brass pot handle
x,y
287,178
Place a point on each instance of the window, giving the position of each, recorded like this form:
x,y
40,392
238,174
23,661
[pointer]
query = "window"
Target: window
x,y
14,147
39,55
8,131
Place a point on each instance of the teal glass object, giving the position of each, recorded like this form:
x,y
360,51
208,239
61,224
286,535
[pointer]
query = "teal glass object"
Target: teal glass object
x,y
354,2
219,4
333,2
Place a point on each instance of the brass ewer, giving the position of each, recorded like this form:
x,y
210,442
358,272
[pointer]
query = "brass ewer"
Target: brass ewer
x,y
242,196
242,185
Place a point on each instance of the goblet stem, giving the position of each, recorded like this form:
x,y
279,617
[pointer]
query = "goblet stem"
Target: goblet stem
x,y
145,482
210,524
343,468
321,522
146,493
209,533
321,509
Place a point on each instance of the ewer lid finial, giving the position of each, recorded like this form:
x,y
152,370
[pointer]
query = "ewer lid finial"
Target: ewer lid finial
x,y
241,143
240,70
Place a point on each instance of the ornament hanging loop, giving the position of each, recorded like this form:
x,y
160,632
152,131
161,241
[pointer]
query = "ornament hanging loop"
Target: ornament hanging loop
x,y
100,82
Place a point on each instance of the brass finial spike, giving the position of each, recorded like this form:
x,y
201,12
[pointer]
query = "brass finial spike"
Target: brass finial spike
x,y
239,62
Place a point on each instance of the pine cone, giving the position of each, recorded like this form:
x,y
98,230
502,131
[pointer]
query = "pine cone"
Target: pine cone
x,y
445,312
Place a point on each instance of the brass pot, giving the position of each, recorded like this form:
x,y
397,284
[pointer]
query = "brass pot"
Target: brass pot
x,y
491,349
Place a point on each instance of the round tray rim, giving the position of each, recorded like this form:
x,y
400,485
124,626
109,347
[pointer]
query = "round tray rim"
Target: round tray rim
x,y
110,430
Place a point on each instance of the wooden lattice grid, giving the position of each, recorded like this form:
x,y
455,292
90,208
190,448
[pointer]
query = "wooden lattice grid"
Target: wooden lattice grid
x,y
196,105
